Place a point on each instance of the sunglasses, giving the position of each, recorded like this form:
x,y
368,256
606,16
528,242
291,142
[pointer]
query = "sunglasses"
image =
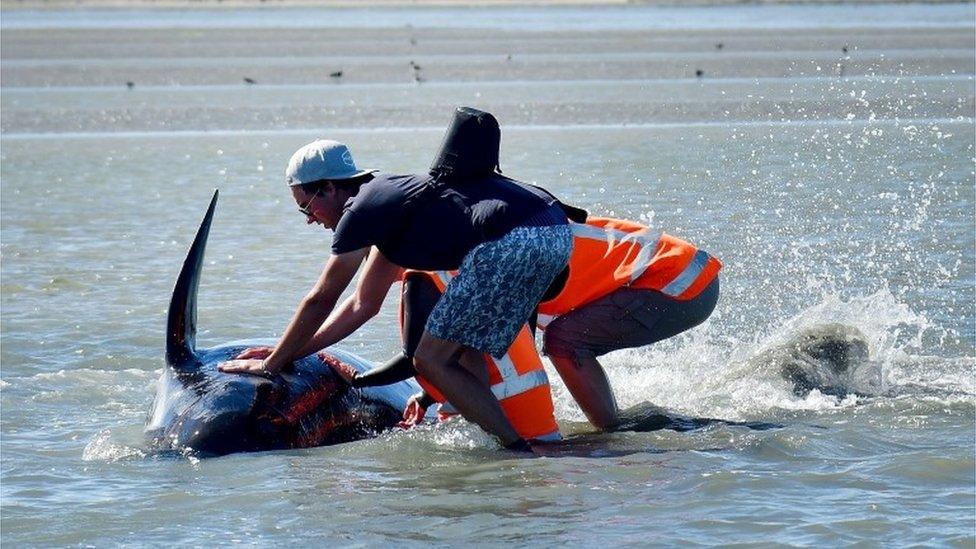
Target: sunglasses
x,y
304,208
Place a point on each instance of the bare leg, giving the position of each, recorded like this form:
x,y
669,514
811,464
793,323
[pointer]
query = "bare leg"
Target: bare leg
x,y
474,362
436,360
588,383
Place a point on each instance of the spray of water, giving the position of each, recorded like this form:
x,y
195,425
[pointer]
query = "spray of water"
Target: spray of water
x,y
703,373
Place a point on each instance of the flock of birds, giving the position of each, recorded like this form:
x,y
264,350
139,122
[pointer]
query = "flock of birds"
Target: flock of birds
x,y
418,78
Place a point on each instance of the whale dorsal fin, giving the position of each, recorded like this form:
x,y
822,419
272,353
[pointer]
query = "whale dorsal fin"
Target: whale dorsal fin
x,y
181,324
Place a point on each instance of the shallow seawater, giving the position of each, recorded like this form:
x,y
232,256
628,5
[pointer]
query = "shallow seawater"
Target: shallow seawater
x,y
867,222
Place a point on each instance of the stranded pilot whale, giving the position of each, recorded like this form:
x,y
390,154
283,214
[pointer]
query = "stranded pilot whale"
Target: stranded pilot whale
x,y
201,410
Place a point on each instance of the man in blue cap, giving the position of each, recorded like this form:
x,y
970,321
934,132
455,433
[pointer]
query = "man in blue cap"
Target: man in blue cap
x,y
507,241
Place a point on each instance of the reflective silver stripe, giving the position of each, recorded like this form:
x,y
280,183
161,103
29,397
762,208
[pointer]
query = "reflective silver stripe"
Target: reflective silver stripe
x,y
550,437
509,387
543,320
643,238
646,254
505,366
589,231
519,384
688,276
444,276
606,233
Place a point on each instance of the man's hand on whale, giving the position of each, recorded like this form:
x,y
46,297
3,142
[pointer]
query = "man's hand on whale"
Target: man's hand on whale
x,y
260,352
249,361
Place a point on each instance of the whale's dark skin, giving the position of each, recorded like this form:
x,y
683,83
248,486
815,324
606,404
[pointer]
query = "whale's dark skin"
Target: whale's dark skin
x,y
831,358
203,411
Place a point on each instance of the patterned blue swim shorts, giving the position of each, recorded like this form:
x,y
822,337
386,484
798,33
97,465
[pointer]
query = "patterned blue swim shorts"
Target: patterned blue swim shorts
x,y
498,285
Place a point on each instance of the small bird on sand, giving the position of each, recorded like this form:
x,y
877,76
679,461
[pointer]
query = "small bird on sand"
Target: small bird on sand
x,y
719,46
844,49
699,73
415,66
336,74
130,84
509,58
249,80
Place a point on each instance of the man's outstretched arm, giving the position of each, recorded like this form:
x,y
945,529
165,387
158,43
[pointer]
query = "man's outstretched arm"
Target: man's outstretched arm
x,y
374,284
312,312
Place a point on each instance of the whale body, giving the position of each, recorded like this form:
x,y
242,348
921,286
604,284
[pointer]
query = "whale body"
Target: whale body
x,y
200,410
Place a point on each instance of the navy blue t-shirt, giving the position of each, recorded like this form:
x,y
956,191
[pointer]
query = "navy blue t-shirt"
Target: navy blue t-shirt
x,y
417,227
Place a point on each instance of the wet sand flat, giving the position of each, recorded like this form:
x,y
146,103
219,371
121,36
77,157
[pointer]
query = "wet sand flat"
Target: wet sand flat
x,y
77,79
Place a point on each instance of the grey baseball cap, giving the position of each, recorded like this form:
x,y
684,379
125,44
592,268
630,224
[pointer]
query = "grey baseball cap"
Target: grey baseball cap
x,y
321,159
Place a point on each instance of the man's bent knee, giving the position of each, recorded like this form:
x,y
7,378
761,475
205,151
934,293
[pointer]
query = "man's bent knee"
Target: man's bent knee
x,y
555,342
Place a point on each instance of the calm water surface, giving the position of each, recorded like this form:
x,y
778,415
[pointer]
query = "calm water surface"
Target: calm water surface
x,y
864,221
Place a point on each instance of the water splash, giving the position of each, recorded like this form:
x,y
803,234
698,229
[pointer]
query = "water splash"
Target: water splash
x,y
703,373
104,448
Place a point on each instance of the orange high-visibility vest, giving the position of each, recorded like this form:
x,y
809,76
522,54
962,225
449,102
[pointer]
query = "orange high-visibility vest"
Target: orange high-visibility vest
x,y
611,253
518,380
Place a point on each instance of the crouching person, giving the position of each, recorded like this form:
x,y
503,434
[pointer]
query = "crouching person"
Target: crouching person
x,y
625,286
